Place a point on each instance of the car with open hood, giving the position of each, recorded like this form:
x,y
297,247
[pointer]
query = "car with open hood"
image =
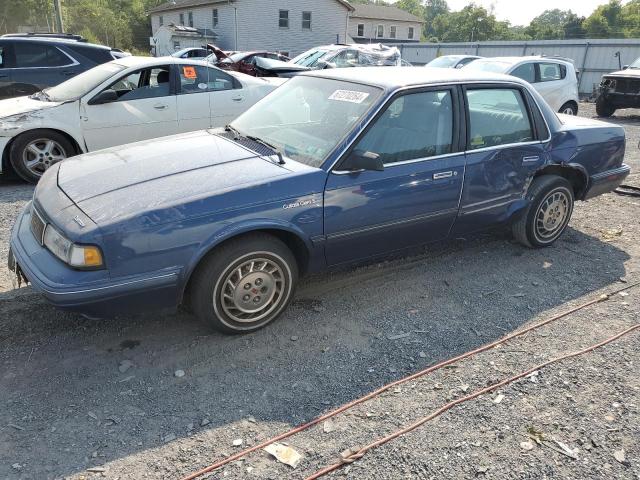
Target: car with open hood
x,y
122,101
334,167
619,89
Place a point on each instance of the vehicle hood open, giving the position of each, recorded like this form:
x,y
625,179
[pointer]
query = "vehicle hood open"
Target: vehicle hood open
x,y
20,106
277,67
161,173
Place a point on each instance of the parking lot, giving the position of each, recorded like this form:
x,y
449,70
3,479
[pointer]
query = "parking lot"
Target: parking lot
x,y
78,393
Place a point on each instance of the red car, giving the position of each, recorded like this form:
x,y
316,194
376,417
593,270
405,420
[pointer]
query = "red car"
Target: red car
x,y
243,62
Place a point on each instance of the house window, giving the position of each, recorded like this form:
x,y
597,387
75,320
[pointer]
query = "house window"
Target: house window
x,y
176,45
360,30
191,19
283,21
161,20
410,36
392,31
182,19
306,20
380,31
215,17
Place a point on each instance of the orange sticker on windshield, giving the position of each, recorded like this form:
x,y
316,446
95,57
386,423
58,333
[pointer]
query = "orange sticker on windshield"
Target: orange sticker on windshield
x,y
189,72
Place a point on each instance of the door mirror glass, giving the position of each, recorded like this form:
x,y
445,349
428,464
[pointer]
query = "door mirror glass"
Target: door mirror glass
x,y
358,161
105,96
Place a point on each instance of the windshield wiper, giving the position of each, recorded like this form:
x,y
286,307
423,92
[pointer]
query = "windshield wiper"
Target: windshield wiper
x,y
236,133
268,145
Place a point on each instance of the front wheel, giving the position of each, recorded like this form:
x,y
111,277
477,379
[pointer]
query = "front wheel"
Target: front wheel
x,y
569,108
32,153
245,284
604,107
548,214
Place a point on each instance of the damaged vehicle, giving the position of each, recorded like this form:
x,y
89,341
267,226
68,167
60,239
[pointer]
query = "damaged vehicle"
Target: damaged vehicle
x,y
123,101
243,62
331,56
619,89
334,167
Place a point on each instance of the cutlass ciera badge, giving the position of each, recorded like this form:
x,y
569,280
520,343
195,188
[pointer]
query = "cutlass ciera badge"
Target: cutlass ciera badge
x,y
301,203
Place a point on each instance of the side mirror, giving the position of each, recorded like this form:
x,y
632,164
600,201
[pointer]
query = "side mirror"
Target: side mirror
x,y
359,161
624,67
105,96
460,65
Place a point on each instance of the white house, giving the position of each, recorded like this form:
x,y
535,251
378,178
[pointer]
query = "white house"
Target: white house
x,y
380,24
287,26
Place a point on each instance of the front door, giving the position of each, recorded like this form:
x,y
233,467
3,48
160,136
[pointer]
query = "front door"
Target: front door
x,y
145,108
414,200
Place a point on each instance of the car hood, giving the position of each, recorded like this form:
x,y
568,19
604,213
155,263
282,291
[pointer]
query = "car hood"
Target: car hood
x,y
124,181
22,105
629,72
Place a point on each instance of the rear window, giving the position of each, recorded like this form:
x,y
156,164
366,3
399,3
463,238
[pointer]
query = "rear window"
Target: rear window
x,y
30,55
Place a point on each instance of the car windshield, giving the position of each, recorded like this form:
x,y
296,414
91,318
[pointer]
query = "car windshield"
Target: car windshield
x,y
307,117
309,58
635,64
82,84
488,66
443,62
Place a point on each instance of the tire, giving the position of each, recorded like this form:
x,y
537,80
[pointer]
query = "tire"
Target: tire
x,y
245,284
548,214
33,152
569,108
603,107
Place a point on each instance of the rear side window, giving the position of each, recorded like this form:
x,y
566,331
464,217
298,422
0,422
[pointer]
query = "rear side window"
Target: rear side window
x,y
198,78
526,72
30,55
97,55
497,116
414,126
550,72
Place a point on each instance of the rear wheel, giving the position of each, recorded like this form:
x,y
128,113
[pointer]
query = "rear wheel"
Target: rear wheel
x,y
548,213
569,108
32,153
245,284
604,107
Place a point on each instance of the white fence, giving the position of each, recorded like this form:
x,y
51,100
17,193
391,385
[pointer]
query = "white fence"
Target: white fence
x,y
591,57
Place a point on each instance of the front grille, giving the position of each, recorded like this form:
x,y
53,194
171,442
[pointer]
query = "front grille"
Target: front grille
x,y
37,225
627,85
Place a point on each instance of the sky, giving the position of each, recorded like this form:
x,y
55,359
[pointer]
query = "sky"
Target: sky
x,y
521,12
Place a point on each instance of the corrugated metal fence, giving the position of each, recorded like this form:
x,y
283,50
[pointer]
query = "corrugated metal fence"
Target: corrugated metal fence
x,y
591,57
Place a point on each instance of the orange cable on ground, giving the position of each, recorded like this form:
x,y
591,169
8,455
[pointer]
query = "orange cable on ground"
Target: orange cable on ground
x,y
414,376
358,454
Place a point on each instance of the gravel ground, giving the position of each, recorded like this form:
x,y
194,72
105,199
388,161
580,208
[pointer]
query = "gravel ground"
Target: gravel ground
x,y
76,394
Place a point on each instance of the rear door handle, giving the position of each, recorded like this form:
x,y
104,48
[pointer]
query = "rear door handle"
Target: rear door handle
x,y
68,73
439,175
160,107
531,159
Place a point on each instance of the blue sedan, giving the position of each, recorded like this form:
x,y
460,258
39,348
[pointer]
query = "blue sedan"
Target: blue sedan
x,y
333,167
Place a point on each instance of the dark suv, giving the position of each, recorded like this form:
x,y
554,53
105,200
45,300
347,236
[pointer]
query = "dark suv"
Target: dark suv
x,y
31,62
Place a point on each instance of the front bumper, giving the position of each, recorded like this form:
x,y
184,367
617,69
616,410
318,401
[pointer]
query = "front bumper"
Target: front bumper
x,y
606,181
92,293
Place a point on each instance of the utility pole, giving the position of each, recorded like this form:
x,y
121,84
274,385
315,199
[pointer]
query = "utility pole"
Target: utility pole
x,y
57,9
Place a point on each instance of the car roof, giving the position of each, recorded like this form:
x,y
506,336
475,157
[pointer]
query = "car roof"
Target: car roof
x,y
397,77
530,58
458,56
60,41
135,61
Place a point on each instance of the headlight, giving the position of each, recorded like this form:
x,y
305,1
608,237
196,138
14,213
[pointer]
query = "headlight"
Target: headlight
x,y
80,256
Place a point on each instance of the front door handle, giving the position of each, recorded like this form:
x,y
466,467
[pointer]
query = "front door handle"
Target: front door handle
x,y
160,107
237,99
531,159
440,175
68,73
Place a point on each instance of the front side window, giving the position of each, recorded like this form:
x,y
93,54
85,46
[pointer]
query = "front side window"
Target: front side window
x,y
306,20
215,17
392,31
550,72
30,55
361,29
414,126
346,58
497,116
410,35
526,72
143,84
307,117
198,79
283,21
380,31
191,19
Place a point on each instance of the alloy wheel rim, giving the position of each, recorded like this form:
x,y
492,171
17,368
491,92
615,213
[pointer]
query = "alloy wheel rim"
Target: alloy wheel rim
x,y
252,290
552,215
568,111
42,153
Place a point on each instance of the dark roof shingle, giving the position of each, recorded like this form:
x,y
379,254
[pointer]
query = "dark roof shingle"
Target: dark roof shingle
x,y
383,12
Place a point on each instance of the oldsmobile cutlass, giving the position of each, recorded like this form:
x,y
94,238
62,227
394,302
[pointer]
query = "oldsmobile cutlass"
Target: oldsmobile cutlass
x,y
334,167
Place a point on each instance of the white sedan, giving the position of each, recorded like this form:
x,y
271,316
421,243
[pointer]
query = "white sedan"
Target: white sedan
x,y
124,101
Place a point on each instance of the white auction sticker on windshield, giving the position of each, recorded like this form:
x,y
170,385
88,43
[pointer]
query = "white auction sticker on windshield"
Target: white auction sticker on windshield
x,y
349,96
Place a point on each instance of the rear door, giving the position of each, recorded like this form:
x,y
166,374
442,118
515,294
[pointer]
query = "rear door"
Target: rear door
x,y
146,107
414,200
551,84
505,146
5,71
